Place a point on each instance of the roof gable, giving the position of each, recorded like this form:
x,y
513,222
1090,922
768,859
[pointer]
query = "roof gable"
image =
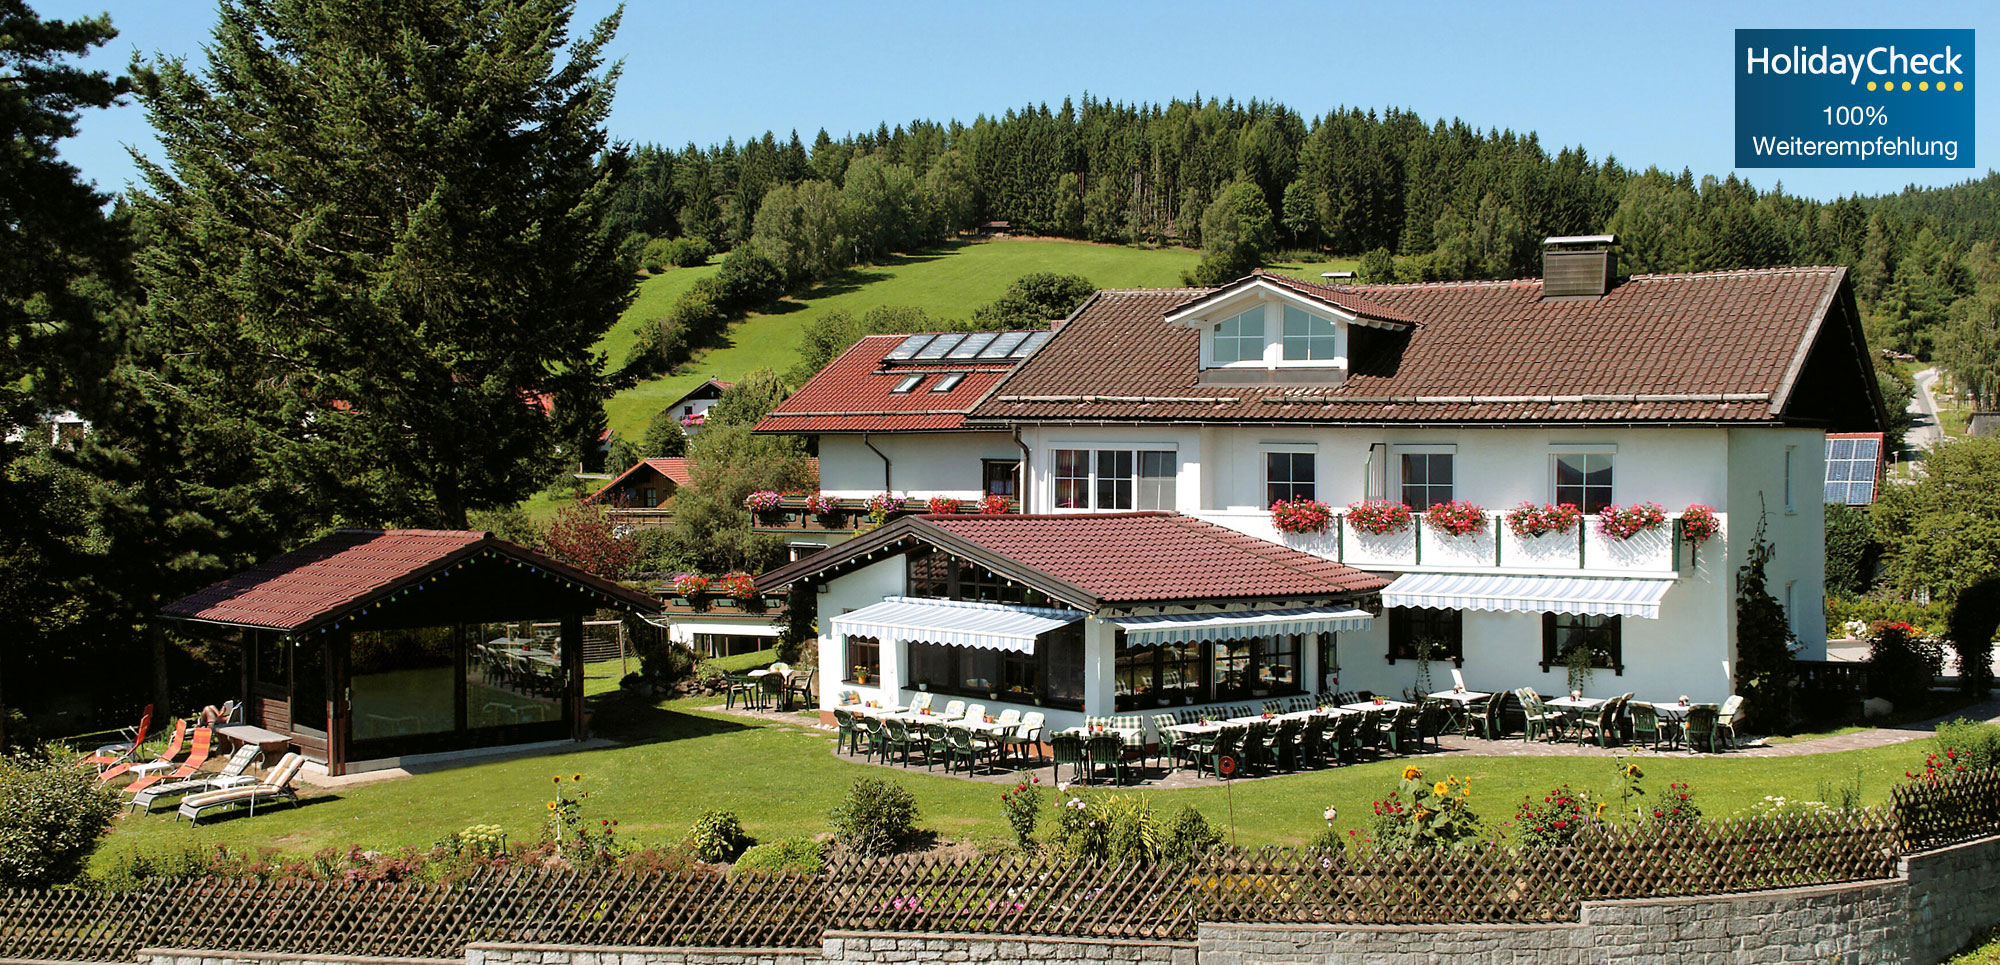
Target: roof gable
x,y
675,469
1090,561
857,392
352,569
1343,302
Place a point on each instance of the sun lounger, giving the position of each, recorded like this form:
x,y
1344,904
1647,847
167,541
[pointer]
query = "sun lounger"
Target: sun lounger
x,y
275,786
165,760
151,774
231,775
110,754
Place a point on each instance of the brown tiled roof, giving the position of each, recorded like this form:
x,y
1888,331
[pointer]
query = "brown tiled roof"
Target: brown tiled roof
x,y
1713,347
676,468
852,394
1092,560
1344,297
354,567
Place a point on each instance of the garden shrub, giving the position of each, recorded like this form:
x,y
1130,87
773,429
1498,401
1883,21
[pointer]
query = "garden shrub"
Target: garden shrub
x,y
1110,827
1901,663
1555,820
52,816
749,279
877,818
800,856
1971,743
662,253
1023,807
717,836
1189,836
1975,618
1421,815
1678,805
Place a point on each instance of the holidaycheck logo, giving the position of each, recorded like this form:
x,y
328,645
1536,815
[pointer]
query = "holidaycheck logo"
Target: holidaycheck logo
x,y
1853,98
1879,61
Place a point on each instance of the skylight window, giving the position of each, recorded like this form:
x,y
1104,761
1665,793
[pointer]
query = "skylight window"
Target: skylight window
x,y
948,383
909,383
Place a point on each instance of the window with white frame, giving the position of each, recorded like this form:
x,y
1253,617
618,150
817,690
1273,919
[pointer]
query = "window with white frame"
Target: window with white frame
x,y
1309,338
1240,338
1427,477
1115,479
1288,476
1582,479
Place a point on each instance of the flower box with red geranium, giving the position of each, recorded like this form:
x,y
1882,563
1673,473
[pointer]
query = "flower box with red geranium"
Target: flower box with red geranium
x,y
821,504
1378,517
1625,522
1698,524
1301,516
1456,518
994,504
881,505
1529,520
737,585
763,501
945,505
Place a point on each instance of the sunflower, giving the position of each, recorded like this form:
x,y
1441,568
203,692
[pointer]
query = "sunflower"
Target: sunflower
x,y
1411,773
576,777
1600,808
1632,771
552,805
1440,788
557,779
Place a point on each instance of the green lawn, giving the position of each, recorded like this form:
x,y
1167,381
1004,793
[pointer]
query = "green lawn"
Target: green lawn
x,y
656,294
949,283
781,779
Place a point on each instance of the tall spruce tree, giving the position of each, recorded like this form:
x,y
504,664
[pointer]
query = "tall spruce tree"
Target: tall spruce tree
x,y
377,248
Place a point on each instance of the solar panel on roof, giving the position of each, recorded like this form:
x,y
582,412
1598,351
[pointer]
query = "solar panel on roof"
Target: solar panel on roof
x,y
1028,347
1851,469
972,344
1003,345
939,346
908,348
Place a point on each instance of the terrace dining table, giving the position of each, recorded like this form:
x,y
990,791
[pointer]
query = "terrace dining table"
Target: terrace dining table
x,y
1210,727
1367,705
1461,715
1575,703
1129,735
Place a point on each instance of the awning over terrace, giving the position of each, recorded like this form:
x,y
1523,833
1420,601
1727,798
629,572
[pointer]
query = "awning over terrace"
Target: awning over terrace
x,y
953,623
1232,625
1529,594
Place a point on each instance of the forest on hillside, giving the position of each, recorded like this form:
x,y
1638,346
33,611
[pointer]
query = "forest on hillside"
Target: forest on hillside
x,y
1417,200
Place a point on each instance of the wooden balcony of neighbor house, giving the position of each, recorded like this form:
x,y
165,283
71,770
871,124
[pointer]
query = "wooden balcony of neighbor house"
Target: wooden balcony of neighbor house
x,y
631,519
1584,551
716,605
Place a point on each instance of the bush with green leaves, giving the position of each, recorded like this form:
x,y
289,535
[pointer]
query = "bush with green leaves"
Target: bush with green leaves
x,y
1188,836
1108,827
1971,743
795,856
1023,807
717,836
663,253
52,815
1553,821
877,817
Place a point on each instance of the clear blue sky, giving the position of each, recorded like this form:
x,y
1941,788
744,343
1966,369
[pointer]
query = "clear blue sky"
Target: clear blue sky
x,y
1650,83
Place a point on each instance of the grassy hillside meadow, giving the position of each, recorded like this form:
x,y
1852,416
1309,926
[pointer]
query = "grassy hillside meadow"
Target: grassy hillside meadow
x,y
948,283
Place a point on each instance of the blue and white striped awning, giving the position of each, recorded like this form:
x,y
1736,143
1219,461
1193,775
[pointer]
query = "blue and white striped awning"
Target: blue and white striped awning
x,y
1237,624
953,623
1610,597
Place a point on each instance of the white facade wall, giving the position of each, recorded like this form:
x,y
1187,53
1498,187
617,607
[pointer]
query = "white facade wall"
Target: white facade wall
x,y
921,464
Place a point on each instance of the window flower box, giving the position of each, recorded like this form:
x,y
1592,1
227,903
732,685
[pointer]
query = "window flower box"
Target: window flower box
x,y
1301,516
736,585
994,504
1699,524
1625,522
690,585
1456,518
945,505
881,505
1378,517
1529,520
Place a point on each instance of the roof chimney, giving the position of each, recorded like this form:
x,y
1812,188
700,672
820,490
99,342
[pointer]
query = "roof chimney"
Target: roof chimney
x,y
1578,266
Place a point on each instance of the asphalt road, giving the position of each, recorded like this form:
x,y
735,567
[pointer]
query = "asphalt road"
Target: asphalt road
x,y
1925,430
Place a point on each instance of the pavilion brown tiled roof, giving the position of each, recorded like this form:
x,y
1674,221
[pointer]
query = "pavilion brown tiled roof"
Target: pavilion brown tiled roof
x,y
1094,560
1711,347
353,567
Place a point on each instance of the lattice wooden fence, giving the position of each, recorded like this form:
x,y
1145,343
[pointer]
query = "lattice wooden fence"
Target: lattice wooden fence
x,y
1959,808
71,925
1040,895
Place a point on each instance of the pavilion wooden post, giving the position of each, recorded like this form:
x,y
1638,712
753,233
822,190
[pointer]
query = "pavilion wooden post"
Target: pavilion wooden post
x,y
572,658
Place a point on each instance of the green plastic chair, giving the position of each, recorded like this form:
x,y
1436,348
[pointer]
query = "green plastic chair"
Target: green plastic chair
x,y
1536,720
1645,724
1106,750
1699,727
896,738
1488,719
1067,749
961,747
849,741
937,746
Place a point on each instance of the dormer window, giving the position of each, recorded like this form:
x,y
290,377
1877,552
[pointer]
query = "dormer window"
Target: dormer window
x,y
1309,338
1241,338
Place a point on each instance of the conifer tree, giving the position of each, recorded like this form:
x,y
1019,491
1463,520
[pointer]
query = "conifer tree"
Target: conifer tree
x,y
377,248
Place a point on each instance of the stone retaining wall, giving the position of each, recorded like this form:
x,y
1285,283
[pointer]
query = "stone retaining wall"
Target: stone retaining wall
x,y
1937,903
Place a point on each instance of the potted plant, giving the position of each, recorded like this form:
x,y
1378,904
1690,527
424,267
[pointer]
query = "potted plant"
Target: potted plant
x,y
1529,520
1301,516
860,674
1378,517
825,508
1577,661
736,586
689,589
944,505
1456,517
1625,522
994,504
1699,524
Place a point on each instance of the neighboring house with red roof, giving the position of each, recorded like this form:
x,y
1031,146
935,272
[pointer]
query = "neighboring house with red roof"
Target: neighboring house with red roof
x,y
642,495
692,409
1714,390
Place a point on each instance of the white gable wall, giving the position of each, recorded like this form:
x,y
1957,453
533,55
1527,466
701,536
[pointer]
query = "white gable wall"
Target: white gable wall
x,y
922,464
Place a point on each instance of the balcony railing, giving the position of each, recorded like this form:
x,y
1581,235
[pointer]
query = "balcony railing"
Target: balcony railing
x,y
1420,548
791,515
